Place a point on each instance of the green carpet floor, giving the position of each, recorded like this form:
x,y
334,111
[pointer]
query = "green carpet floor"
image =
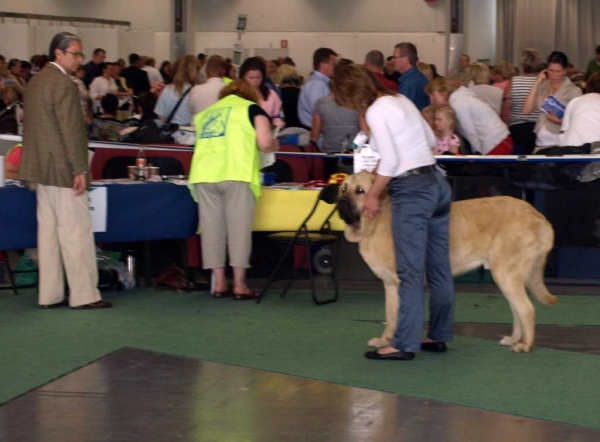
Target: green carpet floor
x,y
293,336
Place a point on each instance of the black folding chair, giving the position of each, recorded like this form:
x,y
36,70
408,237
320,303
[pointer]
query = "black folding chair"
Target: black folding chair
x,y
12,285
311,239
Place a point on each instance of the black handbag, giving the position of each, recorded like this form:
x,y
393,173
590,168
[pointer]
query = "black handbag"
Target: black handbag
x,y
150,133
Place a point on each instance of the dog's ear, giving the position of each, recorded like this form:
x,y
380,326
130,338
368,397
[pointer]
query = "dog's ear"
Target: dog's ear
x,y
329,193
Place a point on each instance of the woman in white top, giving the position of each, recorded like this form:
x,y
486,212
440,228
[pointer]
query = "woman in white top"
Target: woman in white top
x,y
581,122
420,199
477,122
480,74
103,85
551,82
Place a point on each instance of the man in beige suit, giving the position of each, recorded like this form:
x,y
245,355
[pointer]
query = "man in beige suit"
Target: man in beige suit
x,y
55,164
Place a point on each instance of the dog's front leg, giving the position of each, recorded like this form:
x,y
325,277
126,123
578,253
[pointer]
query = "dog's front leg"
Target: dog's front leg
x,y
392,305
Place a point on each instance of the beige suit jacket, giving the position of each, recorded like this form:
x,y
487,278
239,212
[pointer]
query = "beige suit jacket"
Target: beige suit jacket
x,y
55,144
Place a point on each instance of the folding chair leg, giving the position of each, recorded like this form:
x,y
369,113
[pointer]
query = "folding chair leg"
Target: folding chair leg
x,y
311,274
11,277
275,271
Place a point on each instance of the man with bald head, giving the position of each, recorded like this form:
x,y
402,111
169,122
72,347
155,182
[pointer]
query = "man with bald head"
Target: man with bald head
x,y
375,62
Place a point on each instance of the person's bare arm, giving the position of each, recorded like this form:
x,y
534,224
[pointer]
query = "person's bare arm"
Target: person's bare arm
x,y
362,124
264,135
371,204
530,102
10,171
506,103
317,125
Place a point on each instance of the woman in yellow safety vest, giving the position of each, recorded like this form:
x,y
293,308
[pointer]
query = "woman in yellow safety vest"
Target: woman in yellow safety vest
x,y
224,178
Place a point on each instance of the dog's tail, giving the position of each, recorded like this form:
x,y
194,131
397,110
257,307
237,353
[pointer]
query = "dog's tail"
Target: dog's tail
x,y
535,282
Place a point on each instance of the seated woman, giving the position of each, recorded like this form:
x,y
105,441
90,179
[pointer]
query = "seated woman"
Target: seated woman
x,y
551,82
476,120
9,96
14,75
581,122
102,85
224,178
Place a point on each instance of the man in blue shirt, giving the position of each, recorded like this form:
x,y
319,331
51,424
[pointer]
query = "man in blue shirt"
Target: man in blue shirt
x,y
412,82
317,86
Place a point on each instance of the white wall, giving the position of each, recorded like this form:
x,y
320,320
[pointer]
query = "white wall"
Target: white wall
x,y
144,15
321,15
354,46
350,27
150,21
480,30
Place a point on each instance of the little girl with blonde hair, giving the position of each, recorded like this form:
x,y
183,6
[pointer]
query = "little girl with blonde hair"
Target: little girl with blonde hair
x,y
428,114
445,128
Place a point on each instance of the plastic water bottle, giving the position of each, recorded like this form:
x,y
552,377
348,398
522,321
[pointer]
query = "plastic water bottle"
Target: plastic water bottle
x,y
130,269
140,164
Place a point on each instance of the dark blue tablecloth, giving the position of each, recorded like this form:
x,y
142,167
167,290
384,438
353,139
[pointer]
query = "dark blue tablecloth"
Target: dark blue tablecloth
x,y
141,212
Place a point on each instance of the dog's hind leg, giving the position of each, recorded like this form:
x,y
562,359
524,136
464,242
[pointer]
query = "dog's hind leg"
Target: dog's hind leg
x,y
512,285
516,331
392,306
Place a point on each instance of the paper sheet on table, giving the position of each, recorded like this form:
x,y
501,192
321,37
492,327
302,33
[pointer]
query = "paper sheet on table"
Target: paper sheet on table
x,y
97,201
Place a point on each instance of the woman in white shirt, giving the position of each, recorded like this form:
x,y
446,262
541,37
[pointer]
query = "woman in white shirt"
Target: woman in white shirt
x,y
476,120
420,198
480,73
103,85
581,122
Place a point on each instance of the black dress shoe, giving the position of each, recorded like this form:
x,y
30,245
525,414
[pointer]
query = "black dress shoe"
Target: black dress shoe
x,y
94,305
64,303
395,356
435,347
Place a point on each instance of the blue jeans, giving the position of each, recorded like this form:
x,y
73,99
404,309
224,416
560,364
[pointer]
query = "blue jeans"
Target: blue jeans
x,y
420,224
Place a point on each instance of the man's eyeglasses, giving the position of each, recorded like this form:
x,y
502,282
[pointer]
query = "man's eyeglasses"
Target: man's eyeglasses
x,y
77,54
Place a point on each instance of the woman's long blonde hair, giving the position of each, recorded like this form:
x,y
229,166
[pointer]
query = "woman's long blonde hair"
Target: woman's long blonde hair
x,y
354,87
187,73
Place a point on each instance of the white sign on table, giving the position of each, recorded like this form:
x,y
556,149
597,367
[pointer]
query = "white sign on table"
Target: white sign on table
x,y
365,159
97,201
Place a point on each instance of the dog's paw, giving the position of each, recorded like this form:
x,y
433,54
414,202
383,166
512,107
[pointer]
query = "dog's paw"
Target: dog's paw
x,y
521,347
507,341
378,342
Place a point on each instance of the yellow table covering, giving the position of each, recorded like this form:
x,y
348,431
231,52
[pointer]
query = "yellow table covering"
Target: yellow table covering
x,y
285,209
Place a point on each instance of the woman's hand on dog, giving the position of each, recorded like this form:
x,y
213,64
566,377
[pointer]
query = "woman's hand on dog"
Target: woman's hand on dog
x,y
371,205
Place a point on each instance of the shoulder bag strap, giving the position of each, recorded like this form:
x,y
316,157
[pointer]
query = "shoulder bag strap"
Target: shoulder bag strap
x,y
178,104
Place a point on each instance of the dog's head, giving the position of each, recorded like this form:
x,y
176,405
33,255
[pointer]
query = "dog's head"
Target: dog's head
x,y
351,197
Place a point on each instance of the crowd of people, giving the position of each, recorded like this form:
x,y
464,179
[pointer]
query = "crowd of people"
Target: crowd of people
x,y
516,94
409,112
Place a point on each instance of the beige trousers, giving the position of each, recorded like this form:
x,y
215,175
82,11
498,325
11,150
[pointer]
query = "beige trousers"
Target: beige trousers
x,y
65,244
226,212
